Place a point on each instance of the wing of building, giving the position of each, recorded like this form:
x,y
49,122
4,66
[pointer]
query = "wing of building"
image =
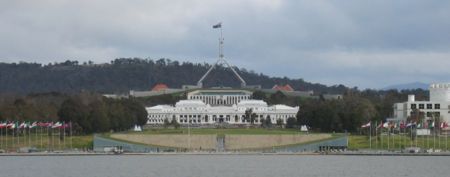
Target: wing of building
x,y
210,106
437,107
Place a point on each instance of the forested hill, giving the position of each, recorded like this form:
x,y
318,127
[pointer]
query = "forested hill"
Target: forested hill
x,y
122,75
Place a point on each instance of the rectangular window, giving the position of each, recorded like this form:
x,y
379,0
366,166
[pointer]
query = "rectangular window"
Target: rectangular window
x,y
413,106
437,106
421,106
429,114
429,106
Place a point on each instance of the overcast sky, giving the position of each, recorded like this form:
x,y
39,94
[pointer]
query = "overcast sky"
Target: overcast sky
x,y
368,44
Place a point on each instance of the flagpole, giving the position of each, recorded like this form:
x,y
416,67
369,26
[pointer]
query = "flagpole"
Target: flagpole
x,y
381,134
40,134
1,136
393,136
59,138
376,134
6,138
35,134
416,135
18,136
388,136
13,139
370,136
428,137
64,136
434,133
410,132
70,135
29,136
53,139
439,135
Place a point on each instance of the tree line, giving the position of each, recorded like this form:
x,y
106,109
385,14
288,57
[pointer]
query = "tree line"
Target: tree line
x,y
88,112
340,115
125,74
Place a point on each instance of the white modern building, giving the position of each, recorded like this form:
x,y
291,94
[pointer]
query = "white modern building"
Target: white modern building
x,y
219,106
438,105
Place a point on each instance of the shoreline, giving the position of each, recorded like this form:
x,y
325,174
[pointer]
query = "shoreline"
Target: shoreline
x,y
232,154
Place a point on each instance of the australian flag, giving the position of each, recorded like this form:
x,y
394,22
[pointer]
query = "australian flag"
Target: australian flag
x,y
218,25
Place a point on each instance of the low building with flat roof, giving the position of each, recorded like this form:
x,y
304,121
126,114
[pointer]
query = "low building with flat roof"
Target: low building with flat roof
x,y
437,107
219,106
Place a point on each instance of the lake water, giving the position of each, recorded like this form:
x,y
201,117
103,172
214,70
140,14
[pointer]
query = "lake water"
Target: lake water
x,y
223,165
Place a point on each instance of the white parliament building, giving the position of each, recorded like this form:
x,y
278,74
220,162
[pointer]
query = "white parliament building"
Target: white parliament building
x,y
210,106
439,104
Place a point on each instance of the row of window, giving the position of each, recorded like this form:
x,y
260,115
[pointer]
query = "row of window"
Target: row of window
x,y
200,97
182,120
220,118
429,106
429,114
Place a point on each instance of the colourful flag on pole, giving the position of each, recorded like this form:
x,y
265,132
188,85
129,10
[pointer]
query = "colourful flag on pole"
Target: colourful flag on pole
x,y
22,125
13,125
402,125
10,125
386,125
410,124
381,125
34,124
3,125
64,125
365,125
443,125
57,125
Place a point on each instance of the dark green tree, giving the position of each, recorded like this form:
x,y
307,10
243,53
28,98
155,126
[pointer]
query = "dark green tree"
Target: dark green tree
x,y
166,123
291,122
99,117
175,123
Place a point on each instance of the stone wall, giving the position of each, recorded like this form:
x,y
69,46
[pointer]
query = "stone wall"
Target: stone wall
x,y
236,142
197,142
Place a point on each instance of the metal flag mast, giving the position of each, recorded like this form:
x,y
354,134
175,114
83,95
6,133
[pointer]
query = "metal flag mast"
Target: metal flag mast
x,y
221,60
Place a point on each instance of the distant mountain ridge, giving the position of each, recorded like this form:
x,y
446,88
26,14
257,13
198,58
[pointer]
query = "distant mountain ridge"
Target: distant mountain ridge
x,y
125,74
408,86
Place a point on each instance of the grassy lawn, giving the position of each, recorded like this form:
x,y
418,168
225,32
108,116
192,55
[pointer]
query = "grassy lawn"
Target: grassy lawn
x,y
234,131
45,142
397,142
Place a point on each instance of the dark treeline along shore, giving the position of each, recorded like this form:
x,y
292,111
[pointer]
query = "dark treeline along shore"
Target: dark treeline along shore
x,y
71,91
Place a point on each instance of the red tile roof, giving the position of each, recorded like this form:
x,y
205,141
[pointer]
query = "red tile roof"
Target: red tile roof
x,y
160,87
286,87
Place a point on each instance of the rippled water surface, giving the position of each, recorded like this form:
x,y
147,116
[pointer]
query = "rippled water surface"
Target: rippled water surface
x,y
223,165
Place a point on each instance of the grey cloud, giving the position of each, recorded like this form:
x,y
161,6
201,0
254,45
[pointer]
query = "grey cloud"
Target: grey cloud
x,y
368,44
